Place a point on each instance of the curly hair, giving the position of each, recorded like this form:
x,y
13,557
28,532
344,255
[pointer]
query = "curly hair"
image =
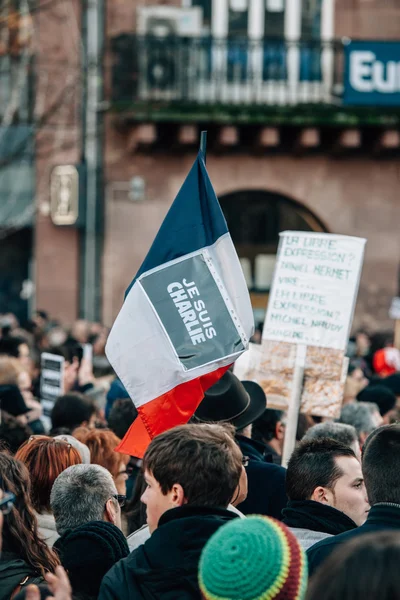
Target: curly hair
x,y
101,443
46,458
20,528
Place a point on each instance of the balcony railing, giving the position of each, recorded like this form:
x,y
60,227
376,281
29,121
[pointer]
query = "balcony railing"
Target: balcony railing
x,y
209,71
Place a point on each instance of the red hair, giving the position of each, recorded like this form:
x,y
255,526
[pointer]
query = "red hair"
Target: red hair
x,y
102,443
45,459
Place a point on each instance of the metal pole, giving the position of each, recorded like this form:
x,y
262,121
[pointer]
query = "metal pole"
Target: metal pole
x,y
203,144
90,270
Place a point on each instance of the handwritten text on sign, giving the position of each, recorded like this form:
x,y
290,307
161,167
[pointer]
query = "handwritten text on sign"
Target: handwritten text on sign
x,y
314,290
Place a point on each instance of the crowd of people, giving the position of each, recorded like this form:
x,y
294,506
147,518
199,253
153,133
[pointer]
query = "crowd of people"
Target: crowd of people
x,y
209,512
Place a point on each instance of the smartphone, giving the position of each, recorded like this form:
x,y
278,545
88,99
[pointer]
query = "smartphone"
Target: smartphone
x,y
87,352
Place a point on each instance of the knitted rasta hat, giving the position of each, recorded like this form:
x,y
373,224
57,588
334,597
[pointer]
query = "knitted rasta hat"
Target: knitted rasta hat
x,y
257,558
88,552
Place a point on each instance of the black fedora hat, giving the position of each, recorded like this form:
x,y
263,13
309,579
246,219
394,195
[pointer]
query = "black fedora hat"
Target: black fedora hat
x,y
232,401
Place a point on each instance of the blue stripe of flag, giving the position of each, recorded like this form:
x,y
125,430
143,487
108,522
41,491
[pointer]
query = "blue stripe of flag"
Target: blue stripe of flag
x,y
195,220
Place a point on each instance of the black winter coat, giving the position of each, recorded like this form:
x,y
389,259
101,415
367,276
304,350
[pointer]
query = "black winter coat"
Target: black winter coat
x,y
380,517
165,567
266,482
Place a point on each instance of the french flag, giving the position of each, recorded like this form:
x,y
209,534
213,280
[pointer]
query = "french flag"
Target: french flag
x,y
186,316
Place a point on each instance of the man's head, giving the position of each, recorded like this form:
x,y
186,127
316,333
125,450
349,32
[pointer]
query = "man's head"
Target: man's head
x,y
80,331
328,472
191,464
232,401
84,493
392,382
17,348
345,434
363,416
71,411
381,465
355,382
383,397
121,417
270,428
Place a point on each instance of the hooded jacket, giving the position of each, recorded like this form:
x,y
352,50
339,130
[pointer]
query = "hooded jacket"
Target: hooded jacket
x,y
165,567
13,572
312,521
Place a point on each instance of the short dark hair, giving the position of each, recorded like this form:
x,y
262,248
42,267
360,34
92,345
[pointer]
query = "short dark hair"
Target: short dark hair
x,y
312,464
12,433
381,464
68,351
203,458
380,395
371,560
121,417
71,410
264,427
9,345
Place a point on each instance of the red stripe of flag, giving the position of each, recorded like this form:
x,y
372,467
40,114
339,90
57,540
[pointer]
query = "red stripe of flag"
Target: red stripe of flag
x,y
174,408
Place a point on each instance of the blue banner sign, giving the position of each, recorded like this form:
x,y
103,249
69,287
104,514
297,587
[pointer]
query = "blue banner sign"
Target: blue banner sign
x,y
372,73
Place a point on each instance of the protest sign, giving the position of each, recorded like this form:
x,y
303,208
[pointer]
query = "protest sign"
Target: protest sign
x,y
394,311
194,309
272,365
51,383
301,363
314,289
325,373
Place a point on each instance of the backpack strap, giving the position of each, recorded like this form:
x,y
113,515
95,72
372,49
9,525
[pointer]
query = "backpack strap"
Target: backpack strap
x,y
26,581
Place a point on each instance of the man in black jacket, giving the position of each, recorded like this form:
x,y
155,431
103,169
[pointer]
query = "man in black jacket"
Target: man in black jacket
x,y
241,403
192,472
326,491
381,466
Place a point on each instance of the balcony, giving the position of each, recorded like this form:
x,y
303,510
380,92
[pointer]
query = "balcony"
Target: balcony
x,y
236,81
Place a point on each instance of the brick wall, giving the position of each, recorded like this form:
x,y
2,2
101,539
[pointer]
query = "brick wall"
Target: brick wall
x,y
58,92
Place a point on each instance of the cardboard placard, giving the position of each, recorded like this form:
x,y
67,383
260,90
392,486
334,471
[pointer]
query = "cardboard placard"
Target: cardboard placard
x,y
394,311
272,365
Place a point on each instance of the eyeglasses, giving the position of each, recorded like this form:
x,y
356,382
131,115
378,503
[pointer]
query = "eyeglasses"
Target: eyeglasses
x,y
7,503
245,461
120,498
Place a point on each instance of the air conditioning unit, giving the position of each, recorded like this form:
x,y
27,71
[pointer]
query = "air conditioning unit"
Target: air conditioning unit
x,y
163,21
162,52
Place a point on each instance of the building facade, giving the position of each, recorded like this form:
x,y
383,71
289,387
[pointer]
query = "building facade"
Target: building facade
x,y
302,112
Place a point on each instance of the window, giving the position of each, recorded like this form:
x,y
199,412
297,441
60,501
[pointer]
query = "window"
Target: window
x,y
311,19
206,6
274,18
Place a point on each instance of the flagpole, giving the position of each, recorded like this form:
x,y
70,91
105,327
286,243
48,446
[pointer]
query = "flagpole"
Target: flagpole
x,y
203,143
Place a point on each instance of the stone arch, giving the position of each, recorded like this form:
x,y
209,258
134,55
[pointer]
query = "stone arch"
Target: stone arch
x,y
255,218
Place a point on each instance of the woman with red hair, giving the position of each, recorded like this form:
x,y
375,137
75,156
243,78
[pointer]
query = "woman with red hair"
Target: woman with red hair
x,y
102,443
46,458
